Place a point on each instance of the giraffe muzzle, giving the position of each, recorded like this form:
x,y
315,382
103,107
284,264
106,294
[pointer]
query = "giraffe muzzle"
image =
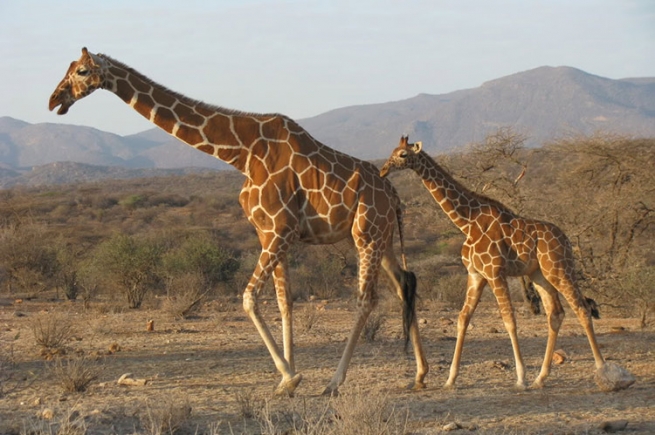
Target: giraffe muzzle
x,y
56,100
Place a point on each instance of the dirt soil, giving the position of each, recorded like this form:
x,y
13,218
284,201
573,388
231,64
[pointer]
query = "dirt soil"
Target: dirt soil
x,y
217,367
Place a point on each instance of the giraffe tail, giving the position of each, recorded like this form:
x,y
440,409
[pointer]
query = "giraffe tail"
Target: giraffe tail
x,y
409,303
593,308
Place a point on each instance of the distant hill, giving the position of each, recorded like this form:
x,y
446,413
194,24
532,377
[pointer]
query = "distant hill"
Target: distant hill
x,y
24,145
543,103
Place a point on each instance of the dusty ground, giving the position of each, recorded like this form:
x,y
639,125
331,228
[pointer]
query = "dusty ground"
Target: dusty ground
x,y
218,366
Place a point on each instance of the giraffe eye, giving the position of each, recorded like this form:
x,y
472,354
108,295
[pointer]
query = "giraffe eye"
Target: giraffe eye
x,y
403,154
82,72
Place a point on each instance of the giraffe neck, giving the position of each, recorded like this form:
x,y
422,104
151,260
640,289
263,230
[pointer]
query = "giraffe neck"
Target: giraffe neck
x,y
459,203
211,129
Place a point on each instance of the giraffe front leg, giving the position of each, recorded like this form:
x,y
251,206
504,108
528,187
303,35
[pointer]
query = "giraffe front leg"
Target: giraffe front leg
x,y
290,379
475,286
285,304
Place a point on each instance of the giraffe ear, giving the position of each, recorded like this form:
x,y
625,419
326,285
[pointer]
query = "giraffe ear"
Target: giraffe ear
x,y
418,146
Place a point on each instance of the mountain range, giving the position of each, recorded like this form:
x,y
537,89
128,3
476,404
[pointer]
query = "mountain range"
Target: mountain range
x,y
543,104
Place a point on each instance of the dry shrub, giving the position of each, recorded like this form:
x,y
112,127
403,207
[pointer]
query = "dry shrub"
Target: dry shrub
x,y
372,326
70,423
51,331
349,414
185,296
167,418
451,289
368,414
306,318
249,405
75,374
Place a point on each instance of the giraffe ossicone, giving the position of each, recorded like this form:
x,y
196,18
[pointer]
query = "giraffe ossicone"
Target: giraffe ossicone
x,y
296,190
500,244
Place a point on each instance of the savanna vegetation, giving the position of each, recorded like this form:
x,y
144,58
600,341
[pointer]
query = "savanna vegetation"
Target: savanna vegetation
x,y
179,246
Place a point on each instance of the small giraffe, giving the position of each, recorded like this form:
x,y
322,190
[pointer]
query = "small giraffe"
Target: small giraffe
x,y
500,244
296,189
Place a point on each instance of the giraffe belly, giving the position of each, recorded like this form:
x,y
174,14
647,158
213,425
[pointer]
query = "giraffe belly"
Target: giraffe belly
x,y
319,231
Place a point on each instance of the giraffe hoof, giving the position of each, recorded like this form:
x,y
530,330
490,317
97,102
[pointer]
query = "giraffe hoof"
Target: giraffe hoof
x,y
416,386
520,386
286,388
537,385
331,391
449,386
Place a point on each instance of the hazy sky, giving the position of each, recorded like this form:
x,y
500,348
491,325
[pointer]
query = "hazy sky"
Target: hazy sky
x,y
303,58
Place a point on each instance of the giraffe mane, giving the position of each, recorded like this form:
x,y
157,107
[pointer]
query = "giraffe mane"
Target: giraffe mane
x,y
183,98
478,196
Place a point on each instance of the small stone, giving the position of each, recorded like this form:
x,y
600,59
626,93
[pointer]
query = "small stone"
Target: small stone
x,y
128,379
612,377
47,414
451,426
613,426
423,321
559,356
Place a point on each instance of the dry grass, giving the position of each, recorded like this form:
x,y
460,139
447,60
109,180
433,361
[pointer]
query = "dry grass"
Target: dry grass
x,y
224,375
167,417
249,404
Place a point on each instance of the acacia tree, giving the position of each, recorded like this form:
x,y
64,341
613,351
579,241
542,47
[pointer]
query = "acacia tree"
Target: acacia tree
x,y
608,208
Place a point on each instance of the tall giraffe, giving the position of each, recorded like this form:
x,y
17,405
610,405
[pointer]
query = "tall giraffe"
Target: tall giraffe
x,y
500,244
296,189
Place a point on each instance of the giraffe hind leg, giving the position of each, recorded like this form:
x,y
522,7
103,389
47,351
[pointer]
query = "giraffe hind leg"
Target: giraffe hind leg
x,y
405,285
366,301
501,292
554,316
608,376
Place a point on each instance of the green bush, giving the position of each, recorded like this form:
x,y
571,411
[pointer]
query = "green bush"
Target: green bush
x,y
131,262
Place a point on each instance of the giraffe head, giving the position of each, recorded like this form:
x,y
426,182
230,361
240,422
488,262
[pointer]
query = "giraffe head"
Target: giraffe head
x,y
83,77
403,157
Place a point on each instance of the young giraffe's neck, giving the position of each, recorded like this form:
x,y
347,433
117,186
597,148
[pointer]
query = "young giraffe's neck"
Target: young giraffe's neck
x,y
207,128
460,204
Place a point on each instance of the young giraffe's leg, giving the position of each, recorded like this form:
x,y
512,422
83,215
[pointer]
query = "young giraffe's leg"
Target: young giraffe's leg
x,y
575,299
474,289
499,286
398,278
285,304
367,298
555,316
265,266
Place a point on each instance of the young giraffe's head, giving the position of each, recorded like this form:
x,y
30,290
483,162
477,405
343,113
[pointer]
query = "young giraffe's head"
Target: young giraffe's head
x,y
83,77
403,157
